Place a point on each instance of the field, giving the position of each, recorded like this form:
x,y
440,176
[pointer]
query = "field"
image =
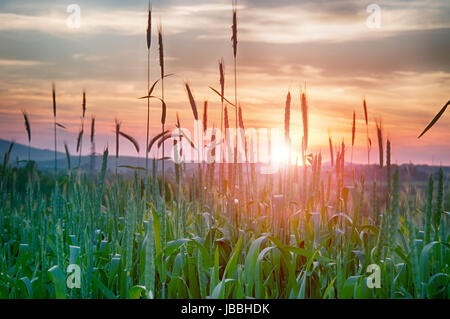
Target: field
x,y
312,229
267,241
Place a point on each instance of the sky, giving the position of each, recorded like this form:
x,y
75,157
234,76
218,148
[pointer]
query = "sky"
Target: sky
x,y
327,48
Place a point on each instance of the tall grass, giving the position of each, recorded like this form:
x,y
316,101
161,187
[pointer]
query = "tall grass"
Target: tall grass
x,y
163,188
117,126
353,134
222,91
149,42
234,39
369,141
28,130
250,255
330,144
305,124
287,119
69,162
80,135
54,126
380,142
92,139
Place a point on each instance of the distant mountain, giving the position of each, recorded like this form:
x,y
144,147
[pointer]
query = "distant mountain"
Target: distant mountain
x,y
45,161
20,152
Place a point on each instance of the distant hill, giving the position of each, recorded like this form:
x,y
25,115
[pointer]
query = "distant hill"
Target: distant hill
x,y
45,161
45,158
20,152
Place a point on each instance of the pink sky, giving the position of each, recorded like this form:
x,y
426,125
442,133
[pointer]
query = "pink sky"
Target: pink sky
x,y
402,69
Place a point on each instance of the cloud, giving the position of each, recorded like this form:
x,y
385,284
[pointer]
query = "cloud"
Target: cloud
x,y
18,63
311,22
87,57
286,22
55,23
95,21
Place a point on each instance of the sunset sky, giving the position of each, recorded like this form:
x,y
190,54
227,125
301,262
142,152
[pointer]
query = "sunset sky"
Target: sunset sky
x,y
402,68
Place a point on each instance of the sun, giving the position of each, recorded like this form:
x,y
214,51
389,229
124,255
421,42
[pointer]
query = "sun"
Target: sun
x,y
282,154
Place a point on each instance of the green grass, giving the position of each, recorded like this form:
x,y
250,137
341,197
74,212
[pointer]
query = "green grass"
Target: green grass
x,y
256,247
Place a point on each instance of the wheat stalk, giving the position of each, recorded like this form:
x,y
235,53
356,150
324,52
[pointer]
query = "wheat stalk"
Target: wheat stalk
x,y
241,119
27,125
83,104
222,90
388,166
161,64
227,126
235,42
287,118
149,42
92,129
241,126
205,124
92,164
205,116
66,148
54,99
28,130
226,120
305,121
54,126
80,136
117,125
191,101
149,27
353,134
369,141
330,143
380,142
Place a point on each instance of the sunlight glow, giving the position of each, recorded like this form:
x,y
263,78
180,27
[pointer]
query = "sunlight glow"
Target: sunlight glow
x,y
282,154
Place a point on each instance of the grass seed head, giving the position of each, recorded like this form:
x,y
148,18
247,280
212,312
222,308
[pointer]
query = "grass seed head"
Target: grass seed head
x,y
241,119
287,117
227,123
54,99
117,122
234,30
380,141
83,106
161,50
366,117
66,149
222,78
27,125
80,136
304,106
149,26
205,116
353,128
191,101
92,129
330,142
